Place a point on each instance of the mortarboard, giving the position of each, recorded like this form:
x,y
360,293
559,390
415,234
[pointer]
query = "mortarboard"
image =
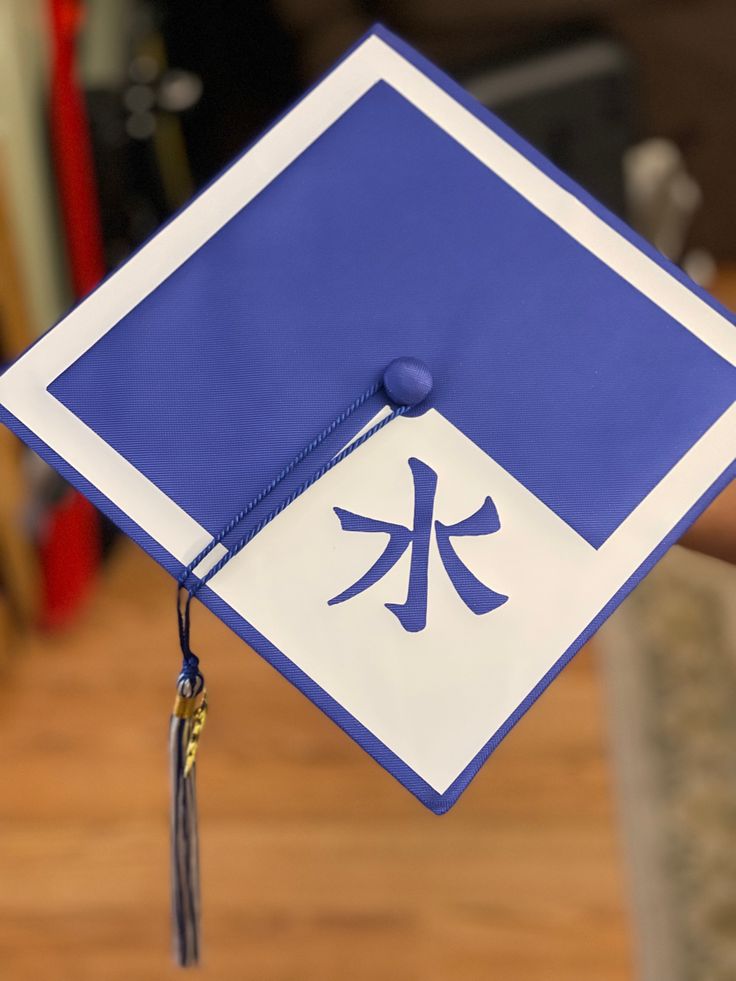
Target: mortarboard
x,y
402,405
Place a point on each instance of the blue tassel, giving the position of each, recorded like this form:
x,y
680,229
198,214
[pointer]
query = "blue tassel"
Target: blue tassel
x,y
187,720
407,382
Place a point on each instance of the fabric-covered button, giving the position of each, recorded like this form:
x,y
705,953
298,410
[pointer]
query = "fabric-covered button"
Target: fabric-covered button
x,y
408,381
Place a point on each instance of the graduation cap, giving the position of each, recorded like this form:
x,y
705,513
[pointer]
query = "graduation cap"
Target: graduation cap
x,y
403,406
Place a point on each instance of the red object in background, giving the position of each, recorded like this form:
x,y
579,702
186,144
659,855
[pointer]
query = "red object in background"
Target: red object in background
x,y
73,161
70,541
70,557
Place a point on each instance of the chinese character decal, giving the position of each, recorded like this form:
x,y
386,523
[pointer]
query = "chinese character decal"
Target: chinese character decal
x,y
412,614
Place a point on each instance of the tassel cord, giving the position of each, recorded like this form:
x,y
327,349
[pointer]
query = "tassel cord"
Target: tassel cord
x,y
190,706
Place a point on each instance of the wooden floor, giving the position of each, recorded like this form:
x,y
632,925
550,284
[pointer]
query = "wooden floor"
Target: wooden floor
x,y
317,864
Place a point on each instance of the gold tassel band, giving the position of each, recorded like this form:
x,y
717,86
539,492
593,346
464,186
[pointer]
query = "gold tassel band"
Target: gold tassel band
x,y
198,720
185,707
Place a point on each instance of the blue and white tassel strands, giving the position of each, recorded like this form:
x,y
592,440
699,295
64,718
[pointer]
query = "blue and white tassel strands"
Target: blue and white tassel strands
x,y
406,382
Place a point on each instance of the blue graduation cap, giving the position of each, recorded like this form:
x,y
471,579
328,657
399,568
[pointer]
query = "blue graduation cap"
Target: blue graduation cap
x,y
402,405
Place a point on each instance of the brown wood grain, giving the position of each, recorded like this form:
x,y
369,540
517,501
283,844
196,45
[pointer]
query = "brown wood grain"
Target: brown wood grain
x,y
317,864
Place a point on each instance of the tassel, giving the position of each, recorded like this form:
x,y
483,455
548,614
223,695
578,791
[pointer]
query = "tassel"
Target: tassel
x,y
187,721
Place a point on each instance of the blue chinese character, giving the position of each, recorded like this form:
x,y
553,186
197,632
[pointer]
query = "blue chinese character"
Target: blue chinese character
x,y
412,614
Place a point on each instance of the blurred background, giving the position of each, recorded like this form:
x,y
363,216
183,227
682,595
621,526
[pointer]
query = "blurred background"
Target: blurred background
x,y
600,840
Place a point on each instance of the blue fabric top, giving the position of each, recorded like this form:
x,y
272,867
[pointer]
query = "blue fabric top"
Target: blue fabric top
x,y
387,238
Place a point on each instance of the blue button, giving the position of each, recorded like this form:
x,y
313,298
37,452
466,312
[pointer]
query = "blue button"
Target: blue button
x,y
408,381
